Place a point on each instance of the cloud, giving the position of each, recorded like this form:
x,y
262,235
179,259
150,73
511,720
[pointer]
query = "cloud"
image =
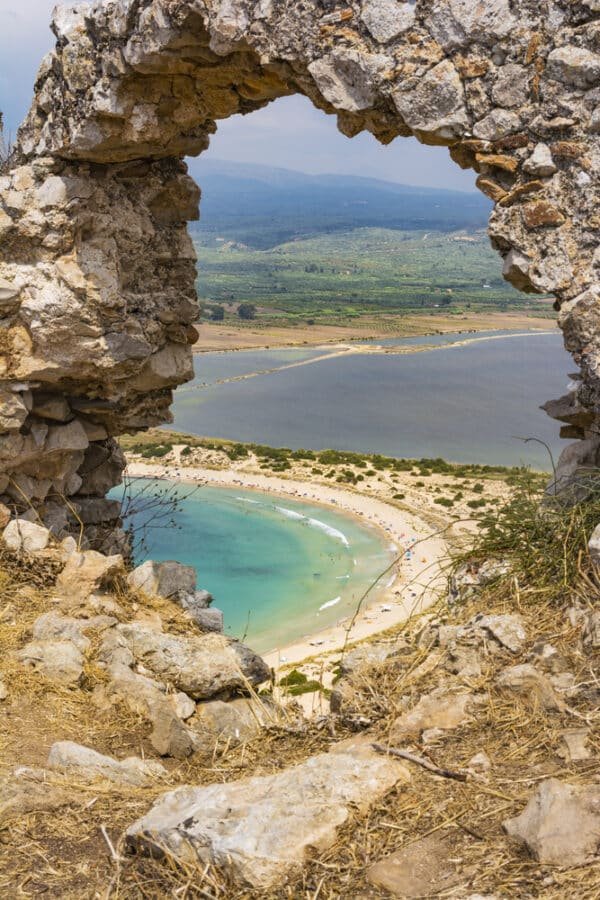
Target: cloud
x,y
289,133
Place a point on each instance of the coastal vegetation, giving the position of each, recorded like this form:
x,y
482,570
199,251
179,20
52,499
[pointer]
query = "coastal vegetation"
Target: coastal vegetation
x,y
460,489
339,278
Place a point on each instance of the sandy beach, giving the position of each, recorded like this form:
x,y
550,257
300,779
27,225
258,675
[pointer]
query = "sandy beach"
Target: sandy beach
x,y
412,583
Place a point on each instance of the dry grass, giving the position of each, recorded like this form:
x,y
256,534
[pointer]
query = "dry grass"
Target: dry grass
x,y
62,852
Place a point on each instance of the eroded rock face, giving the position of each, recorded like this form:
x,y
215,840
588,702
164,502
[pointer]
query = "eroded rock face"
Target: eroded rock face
x,y
97,271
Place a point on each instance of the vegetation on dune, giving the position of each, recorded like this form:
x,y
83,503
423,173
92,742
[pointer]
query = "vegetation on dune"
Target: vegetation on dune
x,y
158,443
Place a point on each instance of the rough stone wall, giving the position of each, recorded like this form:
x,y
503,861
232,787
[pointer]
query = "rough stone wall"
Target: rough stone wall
x,y
97,270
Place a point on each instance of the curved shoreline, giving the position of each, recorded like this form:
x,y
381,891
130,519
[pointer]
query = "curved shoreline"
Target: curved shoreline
x,y
414,579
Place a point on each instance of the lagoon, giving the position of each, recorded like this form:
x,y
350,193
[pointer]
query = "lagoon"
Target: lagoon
x,y
467,402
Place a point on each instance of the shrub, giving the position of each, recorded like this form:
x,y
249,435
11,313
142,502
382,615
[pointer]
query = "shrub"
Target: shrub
x,y
246,311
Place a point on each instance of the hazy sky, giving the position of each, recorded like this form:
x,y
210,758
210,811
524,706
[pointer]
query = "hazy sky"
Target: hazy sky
x,y
289,133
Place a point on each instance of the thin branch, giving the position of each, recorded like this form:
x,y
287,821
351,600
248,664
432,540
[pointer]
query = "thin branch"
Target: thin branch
x,y
419,761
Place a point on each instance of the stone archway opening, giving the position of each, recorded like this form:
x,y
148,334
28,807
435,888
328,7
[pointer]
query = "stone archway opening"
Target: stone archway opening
x,y
97,270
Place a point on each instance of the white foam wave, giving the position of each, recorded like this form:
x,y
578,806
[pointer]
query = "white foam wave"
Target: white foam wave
x,y
248,500
330,603
315,523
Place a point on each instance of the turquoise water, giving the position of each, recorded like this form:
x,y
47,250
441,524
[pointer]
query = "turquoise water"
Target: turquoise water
x,y
473,403
278,568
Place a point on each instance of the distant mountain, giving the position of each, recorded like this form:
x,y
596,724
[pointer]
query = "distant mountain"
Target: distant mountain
x,y
263,206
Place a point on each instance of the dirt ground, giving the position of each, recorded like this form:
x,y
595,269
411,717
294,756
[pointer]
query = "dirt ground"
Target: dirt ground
x,y
231,336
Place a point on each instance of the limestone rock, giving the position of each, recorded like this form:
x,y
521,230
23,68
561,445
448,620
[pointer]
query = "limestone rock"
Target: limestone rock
x,y
22,793
435,109
169,736
22,536
166,579
52,627
259,828
423,868
574,65
88,763
442,708
540,163
507,630
560,824
203,667
573,746
53,407
234,722
347,78
511,87
209,619
13,411
455,23
59,661
371,653
88,571
387,19
531,685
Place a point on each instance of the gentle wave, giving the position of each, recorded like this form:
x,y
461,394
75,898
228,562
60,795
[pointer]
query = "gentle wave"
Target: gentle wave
x,y
330,603
315,523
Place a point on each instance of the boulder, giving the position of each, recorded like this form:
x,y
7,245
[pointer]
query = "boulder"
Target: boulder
x,y
259,828
87,571
26,791
442,708
209,619
435,110
27,537
169,736
202,666
165,579
534,687
507,630
234,722
54,627
83,761
59,661
560,826
424,868
373,653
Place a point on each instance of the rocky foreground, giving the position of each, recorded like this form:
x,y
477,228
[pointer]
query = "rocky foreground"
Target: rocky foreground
x,y
144,755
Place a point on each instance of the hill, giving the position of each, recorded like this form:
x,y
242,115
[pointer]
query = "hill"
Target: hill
x,y
263,207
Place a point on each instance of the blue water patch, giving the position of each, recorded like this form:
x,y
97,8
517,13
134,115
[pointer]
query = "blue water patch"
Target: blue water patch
x,y
278,568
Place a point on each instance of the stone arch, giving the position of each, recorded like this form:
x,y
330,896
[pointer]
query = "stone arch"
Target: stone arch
x,y
97,271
